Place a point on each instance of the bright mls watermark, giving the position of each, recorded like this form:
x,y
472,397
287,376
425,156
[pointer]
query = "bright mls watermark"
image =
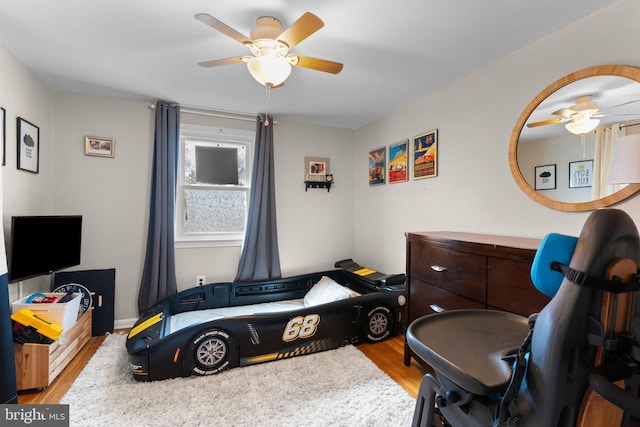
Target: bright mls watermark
x,y
34,415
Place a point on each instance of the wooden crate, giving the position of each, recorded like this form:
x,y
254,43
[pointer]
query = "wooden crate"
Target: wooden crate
x,y
37,365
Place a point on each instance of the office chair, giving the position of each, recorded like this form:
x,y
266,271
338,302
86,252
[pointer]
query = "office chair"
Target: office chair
x,y
496,368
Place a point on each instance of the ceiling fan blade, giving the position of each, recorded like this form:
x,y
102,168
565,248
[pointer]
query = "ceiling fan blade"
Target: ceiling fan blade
x,y
564,112
545,122
623,104
319,64
615,115
215,23
217,62
306,25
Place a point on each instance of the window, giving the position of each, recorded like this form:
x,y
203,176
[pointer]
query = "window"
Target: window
x,y
214,179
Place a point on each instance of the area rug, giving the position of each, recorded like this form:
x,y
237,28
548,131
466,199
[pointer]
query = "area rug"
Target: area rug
x,y
333,388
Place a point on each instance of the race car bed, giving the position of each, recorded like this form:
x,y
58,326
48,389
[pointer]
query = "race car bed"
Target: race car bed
x,y
207,329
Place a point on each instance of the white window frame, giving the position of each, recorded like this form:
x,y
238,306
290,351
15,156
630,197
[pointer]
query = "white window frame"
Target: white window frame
x,y
214,135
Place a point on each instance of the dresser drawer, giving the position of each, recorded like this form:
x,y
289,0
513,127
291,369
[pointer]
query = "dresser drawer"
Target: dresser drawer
x,y
458,272
423,298
509,287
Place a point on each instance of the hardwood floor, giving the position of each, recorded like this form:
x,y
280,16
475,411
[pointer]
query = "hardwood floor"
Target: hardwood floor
x,y
387,355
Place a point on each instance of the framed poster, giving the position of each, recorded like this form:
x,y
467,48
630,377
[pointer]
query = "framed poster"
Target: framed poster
x,y
3,135
316,169
425,155
28,146
545,177
398,156
377,166
581,174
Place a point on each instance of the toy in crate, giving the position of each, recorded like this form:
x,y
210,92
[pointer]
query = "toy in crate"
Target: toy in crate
x,y
59,308
29,327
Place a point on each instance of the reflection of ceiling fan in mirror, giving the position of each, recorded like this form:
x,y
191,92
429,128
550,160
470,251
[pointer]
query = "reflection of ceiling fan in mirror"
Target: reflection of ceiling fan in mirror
x,y
580,118
271,62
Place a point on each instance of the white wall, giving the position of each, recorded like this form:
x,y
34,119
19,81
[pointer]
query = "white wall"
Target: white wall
x,y
112,194
315,227
474,190
25,193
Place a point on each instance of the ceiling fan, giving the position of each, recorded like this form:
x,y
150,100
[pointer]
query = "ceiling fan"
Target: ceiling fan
x,y
579,116
271,62
583,116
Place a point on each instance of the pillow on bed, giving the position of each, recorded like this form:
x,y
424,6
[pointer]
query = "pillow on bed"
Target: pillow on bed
x,y
327,290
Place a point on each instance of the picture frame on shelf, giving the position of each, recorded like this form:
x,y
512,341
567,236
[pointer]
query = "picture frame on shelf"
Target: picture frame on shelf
x,y
28,138
99,146
581,174
377,166
316,169
398,162
425,155
545,177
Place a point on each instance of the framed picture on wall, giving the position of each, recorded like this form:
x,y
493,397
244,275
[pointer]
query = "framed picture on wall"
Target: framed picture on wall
x,y
377,166
398,166
3,135
581,174
28,146
99,146
425,155
545,177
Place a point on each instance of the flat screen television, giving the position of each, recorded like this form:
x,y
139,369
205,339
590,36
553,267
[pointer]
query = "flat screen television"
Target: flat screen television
x,y
43,244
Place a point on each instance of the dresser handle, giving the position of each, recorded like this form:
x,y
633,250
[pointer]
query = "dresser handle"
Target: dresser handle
x,y
438,268
437,308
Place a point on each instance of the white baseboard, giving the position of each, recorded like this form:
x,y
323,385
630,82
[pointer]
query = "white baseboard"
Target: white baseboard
x,y
124,323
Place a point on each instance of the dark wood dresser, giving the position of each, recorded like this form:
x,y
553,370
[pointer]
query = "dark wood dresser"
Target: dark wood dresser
x,y
453,270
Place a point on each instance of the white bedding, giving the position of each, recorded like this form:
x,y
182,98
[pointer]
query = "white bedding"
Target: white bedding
x,y
182,320
324,291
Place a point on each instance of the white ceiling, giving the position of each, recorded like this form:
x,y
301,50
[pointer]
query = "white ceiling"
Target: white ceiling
x,y
393,52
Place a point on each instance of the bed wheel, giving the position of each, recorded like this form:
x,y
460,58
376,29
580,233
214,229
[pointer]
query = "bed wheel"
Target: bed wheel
x,y
378,324
211,352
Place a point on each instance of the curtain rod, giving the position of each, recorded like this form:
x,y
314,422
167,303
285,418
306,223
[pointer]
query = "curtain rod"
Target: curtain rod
x,y
211,113
202,112
626,126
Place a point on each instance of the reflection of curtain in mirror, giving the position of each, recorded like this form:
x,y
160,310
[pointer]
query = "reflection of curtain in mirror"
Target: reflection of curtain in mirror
x,y
603,155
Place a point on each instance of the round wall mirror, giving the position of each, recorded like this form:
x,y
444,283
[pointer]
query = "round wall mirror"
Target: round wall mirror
x,y
557,151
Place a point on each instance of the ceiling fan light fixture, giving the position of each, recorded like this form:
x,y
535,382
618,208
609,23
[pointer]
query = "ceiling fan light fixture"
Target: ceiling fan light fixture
x,y
582,125
269,70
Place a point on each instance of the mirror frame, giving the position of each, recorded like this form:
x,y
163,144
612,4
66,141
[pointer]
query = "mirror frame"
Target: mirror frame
x,y
627,71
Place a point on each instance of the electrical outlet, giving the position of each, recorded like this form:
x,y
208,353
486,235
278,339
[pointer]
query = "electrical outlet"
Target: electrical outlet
x,y
201,280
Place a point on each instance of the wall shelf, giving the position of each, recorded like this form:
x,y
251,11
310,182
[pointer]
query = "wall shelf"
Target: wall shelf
x,y
317,184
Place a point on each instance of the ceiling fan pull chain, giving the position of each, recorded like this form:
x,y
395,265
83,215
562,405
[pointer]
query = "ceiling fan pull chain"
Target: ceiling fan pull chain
x,y
266,108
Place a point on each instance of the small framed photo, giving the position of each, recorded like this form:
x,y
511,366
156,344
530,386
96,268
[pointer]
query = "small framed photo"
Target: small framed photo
x,y
99,146
3,135
316,169
28,146
425,155
377,166
581,174
545,177
398,166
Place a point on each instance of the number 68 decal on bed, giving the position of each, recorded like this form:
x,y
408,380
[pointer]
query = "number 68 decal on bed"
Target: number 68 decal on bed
x,y
301,327
218,326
